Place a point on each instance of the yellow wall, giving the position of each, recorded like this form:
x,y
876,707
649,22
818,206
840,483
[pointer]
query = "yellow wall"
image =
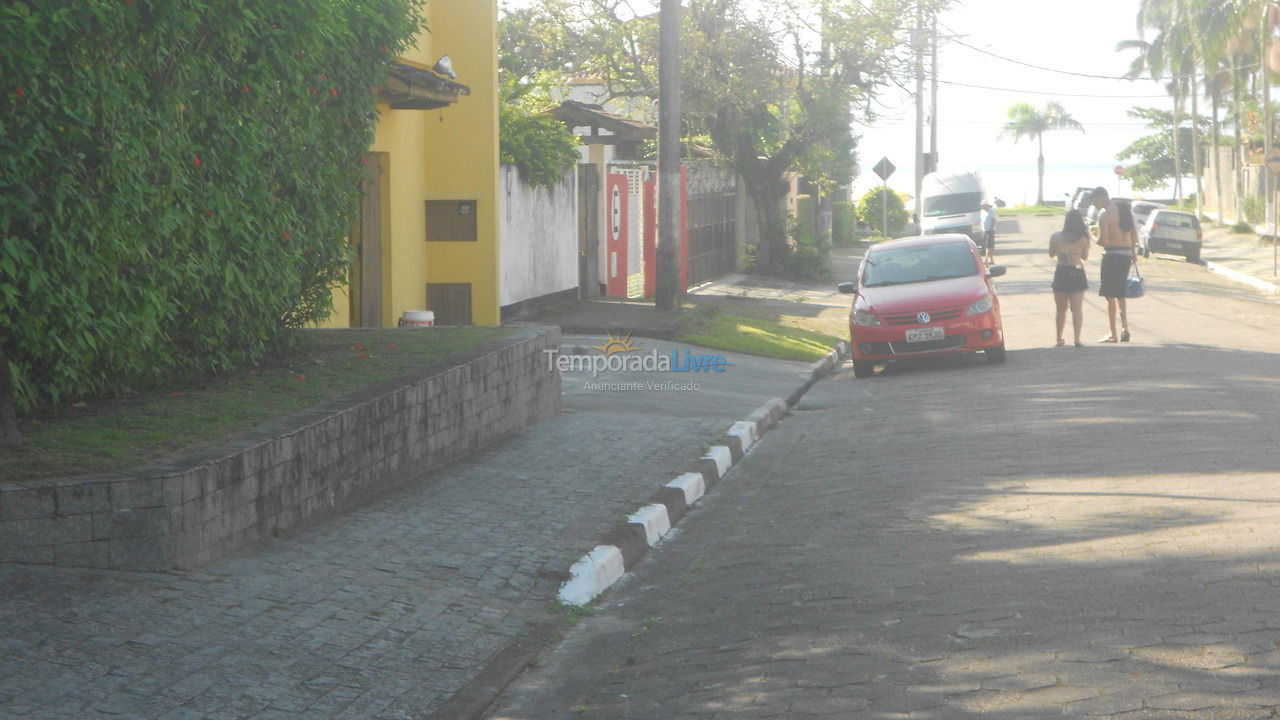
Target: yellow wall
x,y
462,149
445,154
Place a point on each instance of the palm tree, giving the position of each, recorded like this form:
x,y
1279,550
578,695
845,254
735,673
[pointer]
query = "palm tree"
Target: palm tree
x,y
1025,121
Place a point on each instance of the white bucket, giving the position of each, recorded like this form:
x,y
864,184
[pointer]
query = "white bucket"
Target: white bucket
x,y
418,319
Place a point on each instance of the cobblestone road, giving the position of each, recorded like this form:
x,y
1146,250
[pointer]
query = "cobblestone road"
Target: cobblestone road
x,y
1090,532
383,611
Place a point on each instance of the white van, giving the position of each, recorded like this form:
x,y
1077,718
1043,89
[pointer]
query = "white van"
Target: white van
x,y
952,203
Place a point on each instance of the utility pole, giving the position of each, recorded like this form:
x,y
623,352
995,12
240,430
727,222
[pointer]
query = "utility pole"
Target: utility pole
x,y
918,42
667,275
933,100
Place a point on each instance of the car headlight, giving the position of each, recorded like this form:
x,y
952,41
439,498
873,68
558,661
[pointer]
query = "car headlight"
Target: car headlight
x,y
864,318
981,306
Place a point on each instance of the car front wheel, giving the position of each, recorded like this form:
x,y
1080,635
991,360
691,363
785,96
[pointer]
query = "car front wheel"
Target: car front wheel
x,y
995,355
863,368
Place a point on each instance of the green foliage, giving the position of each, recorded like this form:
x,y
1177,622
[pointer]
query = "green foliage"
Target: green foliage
x,y
539,145
870,212
1242,228
844,221
1154,153
179,178
802,230
1255,209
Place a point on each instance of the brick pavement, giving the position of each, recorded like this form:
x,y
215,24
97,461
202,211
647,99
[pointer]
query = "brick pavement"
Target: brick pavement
x,y
1088,532
383,611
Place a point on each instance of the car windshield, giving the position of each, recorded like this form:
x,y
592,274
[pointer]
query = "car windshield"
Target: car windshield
x,y
1178,220
953,204
919,263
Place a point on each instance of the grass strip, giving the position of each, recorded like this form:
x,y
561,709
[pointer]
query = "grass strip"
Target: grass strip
x,y
144,427
763,334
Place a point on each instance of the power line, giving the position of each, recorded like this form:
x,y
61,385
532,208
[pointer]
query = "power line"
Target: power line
x,y
957,41
1049,92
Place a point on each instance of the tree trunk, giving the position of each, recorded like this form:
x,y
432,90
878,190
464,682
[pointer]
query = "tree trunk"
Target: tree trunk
x,y
822,227
1195,143
1238,155
767,193
1215,99
9,435
1177,151
1040,171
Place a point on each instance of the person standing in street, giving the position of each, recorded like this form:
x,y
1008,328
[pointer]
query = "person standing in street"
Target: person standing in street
x,y
989,233
1071,248
1118,239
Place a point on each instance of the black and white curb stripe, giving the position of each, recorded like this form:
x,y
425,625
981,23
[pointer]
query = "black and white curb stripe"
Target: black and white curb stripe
x,y
630,540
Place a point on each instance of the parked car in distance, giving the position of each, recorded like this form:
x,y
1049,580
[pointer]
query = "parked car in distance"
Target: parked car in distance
x,y
921,296
1172,232
1142,210
1080,200
952,203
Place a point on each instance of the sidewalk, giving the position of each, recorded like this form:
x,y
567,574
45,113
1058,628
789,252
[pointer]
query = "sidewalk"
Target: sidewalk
x,y
1243,258
384,611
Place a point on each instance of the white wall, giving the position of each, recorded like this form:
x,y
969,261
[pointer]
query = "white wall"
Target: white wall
x,y
538,231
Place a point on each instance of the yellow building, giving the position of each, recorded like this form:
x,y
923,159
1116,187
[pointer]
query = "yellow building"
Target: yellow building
x,y
428,233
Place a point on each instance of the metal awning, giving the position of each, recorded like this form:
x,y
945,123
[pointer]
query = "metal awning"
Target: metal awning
x,y
412,88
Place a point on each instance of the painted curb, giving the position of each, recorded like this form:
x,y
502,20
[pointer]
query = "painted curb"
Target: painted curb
x,y
606,564
1240,277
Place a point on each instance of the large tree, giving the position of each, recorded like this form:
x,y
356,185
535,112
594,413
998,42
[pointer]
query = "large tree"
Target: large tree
x,y
1154,154
1028,121
774,88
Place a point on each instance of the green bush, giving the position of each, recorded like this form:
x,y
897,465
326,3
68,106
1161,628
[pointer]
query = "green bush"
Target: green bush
x,y
1255,210
803,231
179,179
870,212
540,146
844,221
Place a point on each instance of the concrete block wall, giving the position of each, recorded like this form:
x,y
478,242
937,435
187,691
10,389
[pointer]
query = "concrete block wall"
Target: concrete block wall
x,y
188,513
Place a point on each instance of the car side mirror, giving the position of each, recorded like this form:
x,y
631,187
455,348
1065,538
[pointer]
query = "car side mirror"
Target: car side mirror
x,y
847,288
996,270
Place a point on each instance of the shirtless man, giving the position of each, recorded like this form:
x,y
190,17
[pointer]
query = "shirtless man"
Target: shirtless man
x,y
1118,240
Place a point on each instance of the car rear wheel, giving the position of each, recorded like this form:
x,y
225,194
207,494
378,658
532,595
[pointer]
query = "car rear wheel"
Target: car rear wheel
x,y
1194,257
995,355
863,368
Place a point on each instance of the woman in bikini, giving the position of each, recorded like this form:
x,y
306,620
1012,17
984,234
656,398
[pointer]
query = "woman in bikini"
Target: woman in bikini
x,y
1071,248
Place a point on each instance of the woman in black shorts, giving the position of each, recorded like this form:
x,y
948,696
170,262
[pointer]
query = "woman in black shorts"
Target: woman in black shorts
x,y
1071,247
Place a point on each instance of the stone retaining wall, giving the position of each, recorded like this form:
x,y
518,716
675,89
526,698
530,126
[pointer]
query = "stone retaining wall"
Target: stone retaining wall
x,y
191,512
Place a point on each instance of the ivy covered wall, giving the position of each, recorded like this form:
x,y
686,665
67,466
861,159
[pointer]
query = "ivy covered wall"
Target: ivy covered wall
x,y
177,178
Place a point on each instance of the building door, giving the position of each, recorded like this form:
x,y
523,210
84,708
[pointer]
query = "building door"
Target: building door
x,y
617,206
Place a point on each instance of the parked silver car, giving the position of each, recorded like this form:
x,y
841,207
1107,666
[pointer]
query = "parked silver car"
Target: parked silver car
x,y
1172,232
1142,210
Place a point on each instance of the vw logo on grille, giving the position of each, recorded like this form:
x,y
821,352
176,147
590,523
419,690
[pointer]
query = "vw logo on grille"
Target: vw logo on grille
x,y
923,318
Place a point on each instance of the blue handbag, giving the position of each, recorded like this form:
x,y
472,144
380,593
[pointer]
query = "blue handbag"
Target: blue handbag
x,y
1135,287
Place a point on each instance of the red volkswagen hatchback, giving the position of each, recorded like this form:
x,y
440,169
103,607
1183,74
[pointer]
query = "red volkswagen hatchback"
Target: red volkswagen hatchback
x,y
923,296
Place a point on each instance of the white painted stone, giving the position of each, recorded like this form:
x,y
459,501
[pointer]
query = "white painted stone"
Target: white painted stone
x,y
692,485
655,521
722,457
746,432
591,575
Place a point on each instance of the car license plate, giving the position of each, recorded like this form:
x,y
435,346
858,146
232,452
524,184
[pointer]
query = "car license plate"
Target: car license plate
x,y
925,334
1173,245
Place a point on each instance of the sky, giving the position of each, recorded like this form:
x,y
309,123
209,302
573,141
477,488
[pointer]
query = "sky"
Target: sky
x,y
1078,36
